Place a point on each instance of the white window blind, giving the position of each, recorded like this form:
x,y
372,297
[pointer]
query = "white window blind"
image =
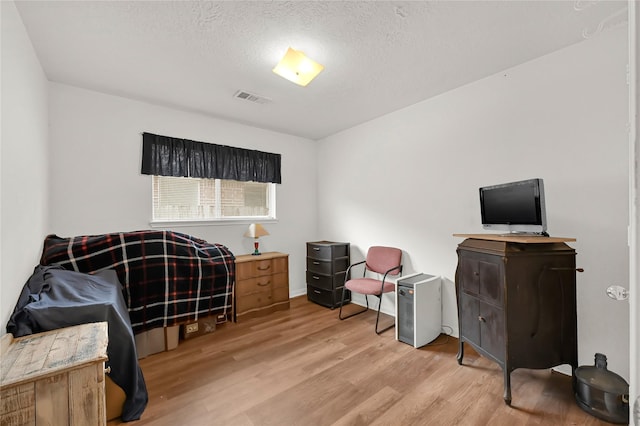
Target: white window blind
x,y
193,199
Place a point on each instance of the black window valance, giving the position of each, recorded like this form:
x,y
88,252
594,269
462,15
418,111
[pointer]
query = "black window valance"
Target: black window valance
x,y
167,156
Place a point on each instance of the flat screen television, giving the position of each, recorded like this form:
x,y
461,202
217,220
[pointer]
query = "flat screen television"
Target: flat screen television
x,y
514,207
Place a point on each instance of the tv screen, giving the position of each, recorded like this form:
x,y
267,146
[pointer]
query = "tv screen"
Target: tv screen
x,y
514,207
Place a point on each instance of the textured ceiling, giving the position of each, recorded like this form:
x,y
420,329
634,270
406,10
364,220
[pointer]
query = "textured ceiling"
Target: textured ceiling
x,y
378,56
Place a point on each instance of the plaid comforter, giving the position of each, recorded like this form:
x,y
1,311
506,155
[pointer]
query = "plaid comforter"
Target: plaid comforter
x,y
168,278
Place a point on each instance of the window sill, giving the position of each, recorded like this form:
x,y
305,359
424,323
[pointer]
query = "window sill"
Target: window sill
x,y
209,222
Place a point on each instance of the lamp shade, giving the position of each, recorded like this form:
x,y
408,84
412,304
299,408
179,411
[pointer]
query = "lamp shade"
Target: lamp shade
x,y
255,231
297,67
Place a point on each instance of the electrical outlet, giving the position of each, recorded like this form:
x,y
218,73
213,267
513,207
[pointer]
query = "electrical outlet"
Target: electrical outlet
x,y
617,292
191,328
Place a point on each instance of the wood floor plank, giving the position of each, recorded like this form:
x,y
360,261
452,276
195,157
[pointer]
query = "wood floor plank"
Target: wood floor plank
x,y
370,409
306,367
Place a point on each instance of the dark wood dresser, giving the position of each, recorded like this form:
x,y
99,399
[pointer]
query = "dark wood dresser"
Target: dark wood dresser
x,y
517,301
327,264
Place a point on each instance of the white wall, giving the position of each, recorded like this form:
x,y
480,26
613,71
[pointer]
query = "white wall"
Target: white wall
x,y
97,187
410,178
24,165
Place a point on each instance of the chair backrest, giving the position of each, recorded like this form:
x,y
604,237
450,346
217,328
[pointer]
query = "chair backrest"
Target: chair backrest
x,y
381,259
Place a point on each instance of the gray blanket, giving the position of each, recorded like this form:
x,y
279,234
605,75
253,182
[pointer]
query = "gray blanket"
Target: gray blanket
x,y
55,298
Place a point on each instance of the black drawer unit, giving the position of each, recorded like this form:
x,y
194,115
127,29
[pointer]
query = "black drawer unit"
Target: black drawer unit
x,y
327,264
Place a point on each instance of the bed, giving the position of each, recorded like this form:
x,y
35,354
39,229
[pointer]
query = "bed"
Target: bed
x,y
168,278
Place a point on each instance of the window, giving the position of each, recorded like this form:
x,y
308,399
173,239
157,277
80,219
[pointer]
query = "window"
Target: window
x,y
195,199
199,181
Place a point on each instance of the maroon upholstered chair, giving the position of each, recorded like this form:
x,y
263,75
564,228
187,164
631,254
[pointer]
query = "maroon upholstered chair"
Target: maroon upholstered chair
x,y
380,260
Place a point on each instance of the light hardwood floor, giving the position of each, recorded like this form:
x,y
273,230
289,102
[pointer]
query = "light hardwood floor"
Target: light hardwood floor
x,y
305,367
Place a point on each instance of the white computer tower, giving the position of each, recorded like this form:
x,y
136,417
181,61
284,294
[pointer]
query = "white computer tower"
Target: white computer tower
x,y
418,309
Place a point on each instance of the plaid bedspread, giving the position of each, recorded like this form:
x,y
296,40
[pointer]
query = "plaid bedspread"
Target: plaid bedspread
x,y
168,278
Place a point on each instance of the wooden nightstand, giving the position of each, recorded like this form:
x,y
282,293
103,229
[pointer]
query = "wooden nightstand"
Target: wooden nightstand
x,y
262,284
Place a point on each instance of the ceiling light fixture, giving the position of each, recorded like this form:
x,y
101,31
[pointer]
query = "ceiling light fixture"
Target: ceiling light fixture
x,y
296,67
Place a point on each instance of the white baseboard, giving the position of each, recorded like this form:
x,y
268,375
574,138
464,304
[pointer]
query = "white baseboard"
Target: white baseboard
x,y
296,293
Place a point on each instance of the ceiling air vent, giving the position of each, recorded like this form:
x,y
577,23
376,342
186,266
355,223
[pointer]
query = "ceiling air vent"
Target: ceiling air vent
x,y
241,94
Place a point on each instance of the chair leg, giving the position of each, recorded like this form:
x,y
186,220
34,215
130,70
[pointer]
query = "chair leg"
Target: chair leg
x,y
354,313
378,317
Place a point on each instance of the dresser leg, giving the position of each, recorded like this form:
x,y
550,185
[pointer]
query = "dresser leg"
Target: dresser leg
x,y
507,386
460,352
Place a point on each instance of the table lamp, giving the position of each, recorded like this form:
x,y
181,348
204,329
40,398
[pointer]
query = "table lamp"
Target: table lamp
x,y
256,231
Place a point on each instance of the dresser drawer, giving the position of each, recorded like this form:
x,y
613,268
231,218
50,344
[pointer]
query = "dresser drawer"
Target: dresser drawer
x,y
263,267
254,300
244,271
280,281
253,285
280,294
260,268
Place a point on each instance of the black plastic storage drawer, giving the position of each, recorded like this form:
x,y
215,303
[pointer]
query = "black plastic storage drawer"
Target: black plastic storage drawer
x,y
327,267
328,298
329,282
327,250
327,264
